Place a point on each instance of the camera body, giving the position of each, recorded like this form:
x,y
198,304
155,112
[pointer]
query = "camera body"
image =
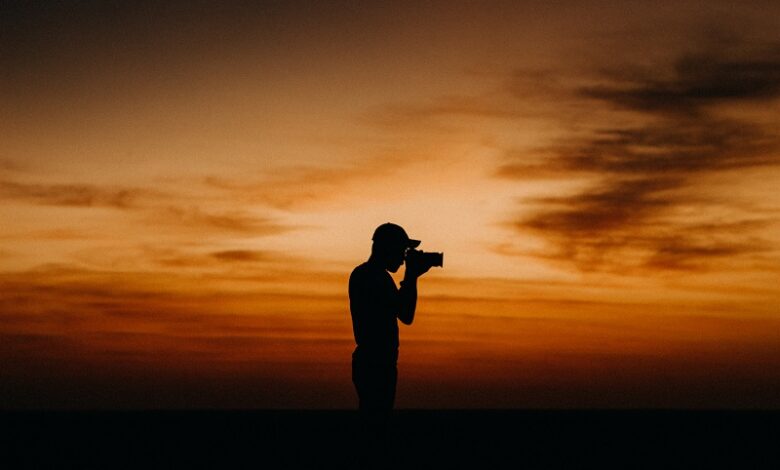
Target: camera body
x,y
423,258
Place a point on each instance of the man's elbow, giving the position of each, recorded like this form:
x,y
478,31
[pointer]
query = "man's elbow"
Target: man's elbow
x,y
406,321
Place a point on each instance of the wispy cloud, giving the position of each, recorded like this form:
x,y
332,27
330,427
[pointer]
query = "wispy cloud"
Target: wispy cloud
x,y
290,188
203,258
643,169
71,300
162,208
9,165
78,195
61,322
411,115
184,217
524,95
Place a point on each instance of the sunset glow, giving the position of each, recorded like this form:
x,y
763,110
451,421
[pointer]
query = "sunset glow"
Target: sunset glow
x,y
186,186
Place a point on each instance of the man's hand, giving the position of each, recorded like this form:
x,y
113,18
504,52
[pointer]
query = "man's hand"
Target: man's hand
x,y
415,267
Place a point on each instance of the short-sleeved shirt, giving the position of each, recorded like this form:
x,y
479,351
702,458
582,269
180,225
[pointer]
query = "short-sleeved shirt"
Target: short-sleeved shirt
x,y
374,304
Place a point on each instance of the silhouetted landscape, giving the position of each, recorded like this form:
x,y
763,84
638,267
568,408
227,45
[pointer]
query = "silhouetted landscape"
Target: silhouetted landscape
x,y
421,439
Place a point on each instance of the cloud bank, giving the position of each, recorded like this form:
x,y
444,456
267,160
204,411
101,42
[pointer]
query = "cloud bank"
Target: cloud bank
x,y
668,129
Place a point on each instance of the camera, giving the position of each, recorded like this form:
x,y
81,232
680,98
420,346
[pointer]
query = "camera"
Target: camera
x,y
425,258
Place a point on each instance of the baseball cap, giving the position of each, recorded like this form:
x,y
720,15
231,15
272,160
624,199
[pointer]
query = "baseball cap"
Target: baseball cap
x,y
389,233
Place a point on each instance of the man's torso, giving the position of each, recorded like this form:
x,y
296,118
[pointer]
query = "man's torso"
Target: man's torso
x,y
374,305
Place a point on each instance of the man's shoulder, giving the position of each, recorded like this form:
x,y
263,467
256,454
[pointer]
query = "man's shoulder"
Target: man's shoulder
x,y
367,271
362,270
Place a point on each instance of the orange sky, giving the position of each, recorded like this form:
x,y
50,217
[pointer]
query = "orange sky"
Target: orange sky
x,y
185,188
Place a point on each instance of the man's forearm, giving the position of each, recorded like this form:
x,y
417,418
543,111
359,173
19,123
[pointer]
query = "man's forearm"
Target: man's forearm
x,y
408,300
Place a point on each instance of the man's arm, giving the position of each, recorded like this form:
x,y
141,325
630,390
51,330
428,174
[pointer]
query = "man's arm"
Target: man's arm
x,y
408,292
407,295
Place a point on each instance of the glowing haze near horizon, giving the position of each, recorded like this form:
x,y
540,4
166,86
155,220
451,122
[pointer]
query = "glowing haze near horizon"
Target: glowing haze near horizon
x,y
185,187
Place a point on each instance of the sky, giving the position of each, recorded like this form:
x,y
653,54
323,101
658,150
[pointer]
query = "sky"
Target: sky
x,y
185,187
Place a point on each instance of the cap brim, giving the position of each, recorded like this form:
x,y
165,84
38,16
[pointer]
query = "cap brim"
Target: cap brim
x,y
413,243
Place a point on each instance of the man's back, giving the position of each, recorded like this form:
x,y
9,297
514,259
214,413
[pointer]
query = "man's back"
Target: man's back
x,y
373,301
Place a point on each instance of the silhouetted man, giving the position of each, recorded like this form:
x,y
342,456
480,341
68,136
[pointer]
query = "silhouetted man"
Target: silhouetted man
x,y
376,305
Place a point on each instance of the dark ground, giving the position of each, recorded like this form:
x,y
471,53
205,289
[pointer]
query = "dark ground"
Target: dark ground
x,y
422,439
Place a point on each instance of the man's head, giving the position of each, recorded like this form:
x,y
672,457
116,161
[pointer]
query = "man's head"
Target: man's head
x,y
390,245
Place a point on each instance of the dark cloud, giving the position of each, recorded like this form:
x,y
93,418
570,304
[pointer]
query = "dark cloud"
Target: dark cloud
x,y
697,81
670,147
646,168
240,255
615,205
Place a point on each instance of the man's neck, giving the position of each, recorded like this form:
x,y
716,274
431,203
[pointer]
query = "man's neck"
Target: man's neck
x,y
376,262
